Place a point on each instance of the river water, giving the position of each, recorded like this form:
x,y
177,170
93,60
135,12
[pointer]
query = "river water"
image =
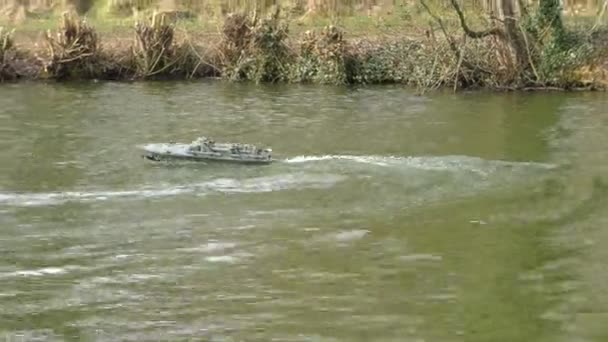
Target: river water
x,y
388,216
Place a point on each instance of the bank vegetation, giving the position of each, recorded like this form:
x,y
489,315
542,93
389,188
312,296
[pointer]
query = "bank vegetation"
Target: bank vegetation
x,y
517,45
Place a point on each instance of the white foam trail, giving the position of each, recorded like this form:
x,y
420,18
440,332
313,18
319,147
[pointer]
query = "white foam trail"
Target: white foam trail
x,y
380,161
222,258
425,163
222,185
41,199
210,247
274,183
37,273
351,235
420,257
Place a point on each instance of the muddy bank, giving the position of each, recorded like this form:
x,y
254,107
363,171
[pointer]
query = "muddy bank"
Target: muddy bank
x,y
263,50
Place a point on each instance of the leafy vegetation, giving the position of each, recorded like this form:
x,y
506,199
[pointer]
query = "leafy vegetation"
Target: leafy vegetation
x,y
255,49
323,58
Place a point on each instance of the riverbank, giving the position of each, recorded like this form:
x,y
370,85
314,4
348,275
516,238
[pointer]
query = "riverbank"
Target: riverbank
x,y
248,48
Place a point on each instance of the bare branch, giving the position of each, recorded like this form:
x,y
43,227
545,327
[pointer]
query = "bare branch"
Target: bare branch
x,y
495,31
451,41
445,32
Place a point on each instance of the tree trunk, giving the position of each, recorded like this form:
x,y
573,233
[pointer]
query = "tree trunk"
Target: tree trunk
x,y
490,7
312,6
509,15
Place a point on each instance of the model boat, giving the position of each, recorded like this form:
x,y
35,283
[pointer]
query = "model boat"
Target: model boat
x,y
206,149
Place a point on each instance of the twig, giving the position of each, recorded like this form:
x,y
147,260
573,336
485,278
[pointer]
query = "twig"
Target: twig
x,y
445,32
200,58
84,55
530,61
450,40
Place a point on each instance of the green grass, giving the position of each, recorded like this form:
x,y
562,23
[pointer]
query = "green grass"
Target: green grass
x,y
404,20
401,21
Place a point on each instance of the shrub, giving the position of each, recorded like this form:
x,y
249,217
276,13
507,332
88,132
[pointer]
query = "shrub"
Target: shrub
x,y
7,52
323,57
255,49
74,50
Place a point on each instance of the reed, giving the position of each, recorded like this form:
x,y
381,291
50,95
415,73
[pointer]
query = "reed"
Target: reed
x,y
154,51
73,51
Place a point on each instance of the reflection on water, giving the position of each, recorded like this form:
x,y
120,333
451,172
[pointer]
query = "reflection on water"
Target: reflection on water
x,y
387,216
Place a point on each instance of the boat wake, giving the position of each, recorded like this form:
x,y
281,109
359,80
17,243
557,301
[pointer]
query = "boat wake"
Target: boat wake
x,y
218,185
434,163
450,173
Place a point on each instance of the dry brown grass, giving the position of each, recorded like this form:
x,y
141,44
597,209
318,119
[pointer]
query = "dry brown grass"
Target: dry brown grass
x,y
158,53
153,50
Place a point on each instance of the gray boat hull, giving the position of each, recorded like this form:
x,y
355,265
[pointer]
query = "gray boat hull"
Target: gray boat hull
x,y
176,151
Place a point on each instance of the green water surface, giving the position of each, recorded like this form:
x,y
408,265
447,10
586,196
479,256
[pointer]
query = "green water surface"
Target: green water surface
x,y
387,216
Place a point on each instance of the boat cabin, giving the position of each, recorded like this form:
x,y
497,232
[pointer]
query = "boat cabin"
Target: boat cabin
x,y
204,144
